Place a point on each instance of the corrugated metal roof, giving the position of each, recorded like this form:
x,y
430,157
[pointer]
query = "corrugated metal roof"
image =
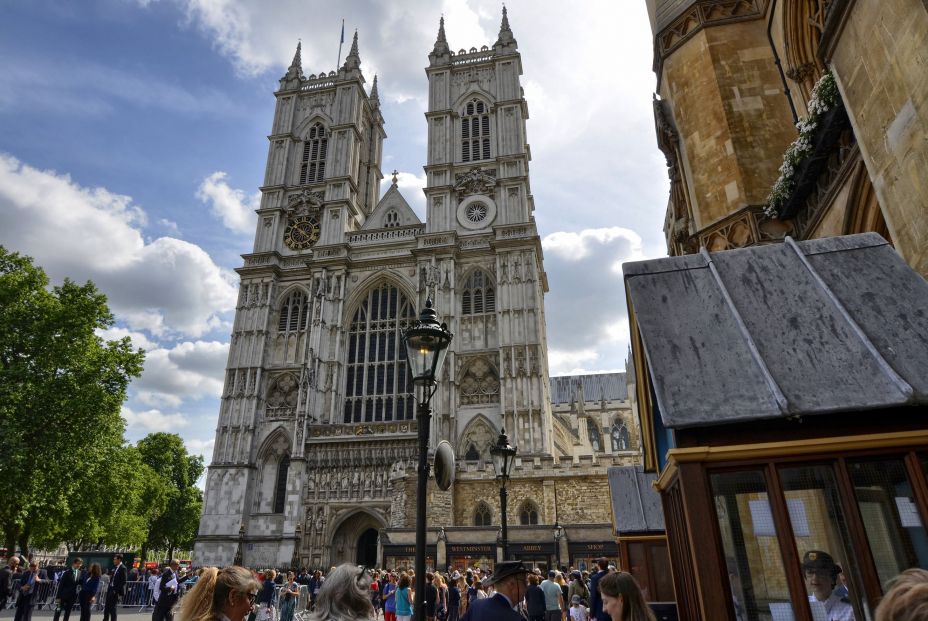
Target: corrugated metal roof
x,y
636,505
826,325
608,386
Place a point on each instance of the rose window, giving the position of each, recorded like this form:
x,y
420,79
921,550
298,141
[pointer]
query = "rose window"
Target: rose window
x,y
476,212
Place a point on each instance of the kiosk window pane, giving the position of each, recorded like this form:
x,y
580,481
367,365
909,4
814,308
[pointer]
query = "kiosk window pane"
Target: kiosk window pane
x,y
751,545
829,568
895,530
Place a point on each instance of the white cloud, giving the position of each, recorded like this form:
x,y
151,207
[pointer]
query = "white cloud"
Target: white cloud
x,y
232,206
587,316
138,338
165,286
204,448
188,370
152,421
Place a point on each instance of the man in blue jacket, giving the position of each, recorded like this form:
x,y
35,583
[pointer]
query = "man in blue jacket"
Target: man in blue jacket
x,y
509,581
596,600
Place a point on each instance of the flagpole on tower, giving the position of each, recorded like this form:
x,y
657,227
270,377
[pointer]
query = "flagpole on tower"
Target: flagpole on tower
x,y
340,42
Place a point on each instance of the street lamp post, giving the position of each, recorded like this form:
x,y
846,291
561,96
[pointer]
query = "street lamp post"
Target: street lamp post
x,y
503,458
558,533
426,346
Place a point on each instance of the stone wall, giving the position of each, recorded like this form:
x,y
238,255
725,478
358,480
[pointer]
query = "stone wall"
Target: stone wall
x,y
881,65
734,122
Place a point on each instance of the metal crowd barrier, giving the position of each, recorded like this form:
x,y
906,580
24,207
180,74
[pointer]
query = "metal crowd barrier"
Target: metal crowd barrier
x,y
44,594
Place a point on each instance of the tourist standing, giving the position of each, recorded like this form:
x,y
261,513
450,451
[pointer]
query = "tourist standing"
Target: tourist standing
x,y
90,586
288,597
388,596
345,596
227,594
404,599
622,598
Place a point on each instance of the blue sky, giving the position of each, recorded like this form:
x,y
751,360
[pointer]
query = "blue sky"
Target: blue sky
x,y
133,141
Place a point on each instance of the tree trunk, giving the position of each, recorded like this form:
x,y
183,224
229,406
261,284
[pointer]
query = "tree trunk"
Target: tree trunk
x,y
170,551
24,541
9,538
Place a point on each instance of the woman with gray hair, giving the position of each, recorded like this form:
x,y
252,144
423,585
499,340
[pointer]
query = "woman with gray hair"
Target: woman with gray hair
x,y
344,596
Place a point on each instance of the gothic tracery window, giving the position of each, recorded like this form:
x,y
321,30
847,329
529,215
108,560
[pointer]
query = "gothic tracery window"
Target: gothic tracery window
x,y
280,489
595,437
475,131
480,383
293,312
479,296
312,166
528,513
619,436
482,515
282,396
377,387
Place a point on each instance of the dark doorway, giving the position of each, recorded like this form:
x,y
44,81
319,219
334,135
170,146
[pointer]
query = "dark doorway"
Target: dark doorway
x,y
367,548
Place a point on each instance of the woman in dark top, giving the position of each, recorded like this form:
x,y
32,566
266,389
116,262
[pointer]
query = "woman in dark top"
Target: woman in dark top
x,y
90,584
454,600
315,583
534,599
266,596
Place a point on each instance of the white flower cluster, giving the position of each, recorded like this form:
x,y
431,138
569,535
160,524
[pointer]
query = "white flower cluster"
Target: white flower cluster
x,y
824,98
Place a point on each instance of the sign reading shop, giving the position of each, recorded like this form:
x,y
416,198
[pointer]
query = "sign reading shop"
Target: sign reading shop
x,y
593,548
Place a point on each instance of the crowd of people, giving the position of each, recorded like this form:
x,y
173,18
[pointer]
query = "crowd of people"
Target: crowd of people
x,y
512,591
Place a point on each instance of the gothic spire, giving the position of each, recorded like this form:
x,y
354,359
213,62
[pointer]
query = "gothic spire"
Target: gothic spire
x,y
505,33
375,96
297,59
353,60
295,70
441,43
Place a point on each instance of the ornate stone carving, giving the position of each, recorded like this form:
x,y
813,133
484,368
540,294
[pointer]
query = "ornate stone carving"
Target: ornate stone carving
x,y
304,202
282,396
480,383
475,181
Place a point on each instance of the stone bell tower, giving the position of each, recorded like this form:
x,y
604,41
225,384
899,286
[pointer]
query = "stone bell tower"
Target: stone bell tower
x,y
484,249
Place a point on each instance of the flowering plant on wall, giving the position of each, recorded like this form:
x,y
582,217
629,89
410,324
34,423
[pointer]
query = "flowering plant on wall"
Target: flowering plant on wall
x,y
824,97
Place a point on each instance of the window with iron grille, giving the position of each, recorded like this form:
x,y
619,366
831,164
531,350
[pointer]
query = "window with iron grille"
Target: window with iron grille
x,y
378,386
479,296
293,312
475,132
312,167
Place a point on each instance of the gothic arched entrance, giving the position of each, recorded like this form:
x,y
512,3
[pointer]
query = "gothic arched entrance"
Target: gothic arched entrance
x,y
355,539
367,548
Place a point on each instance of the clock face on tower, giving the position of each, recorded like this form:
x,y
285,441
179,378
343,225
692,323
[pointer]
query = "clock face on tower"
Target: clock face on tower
x,y
301,232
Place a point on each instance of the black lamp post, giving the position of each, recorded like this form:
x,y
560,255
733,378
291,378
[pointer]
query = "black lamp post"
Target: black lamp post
x,y
240,551
503,458
426,346
558,533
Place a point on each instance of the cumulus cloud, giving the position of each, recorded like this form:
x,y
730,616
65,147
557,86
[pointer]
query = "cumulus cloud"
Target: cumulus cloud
x,y
188,370
165,285
232,206
138,338
586,310
152,421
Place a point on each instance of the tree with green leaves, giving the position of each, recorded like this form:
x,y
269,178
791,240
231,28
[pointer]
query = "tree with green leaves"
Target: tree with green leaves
x,y
61,390
174,527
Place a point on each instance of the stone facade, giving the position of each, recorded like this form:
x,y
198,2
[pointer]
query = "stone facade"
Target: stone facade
x,y
733,80
315,453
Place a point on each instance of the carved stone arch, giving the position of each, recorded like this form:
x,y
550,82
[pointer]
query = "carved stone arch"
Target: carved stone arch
x,y
476,439
291,315
378,279
276,442
347,531
478,382
302,130
474,91
273,462
803,22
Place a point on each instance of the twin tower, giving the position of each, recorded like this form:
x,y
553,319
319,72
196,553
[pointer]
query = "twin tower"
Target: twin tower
x,y
316,436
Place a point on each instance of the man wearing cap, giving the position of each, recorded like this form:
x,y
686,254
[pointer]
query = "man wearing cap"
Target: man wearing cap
x,y
821,574
509,582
